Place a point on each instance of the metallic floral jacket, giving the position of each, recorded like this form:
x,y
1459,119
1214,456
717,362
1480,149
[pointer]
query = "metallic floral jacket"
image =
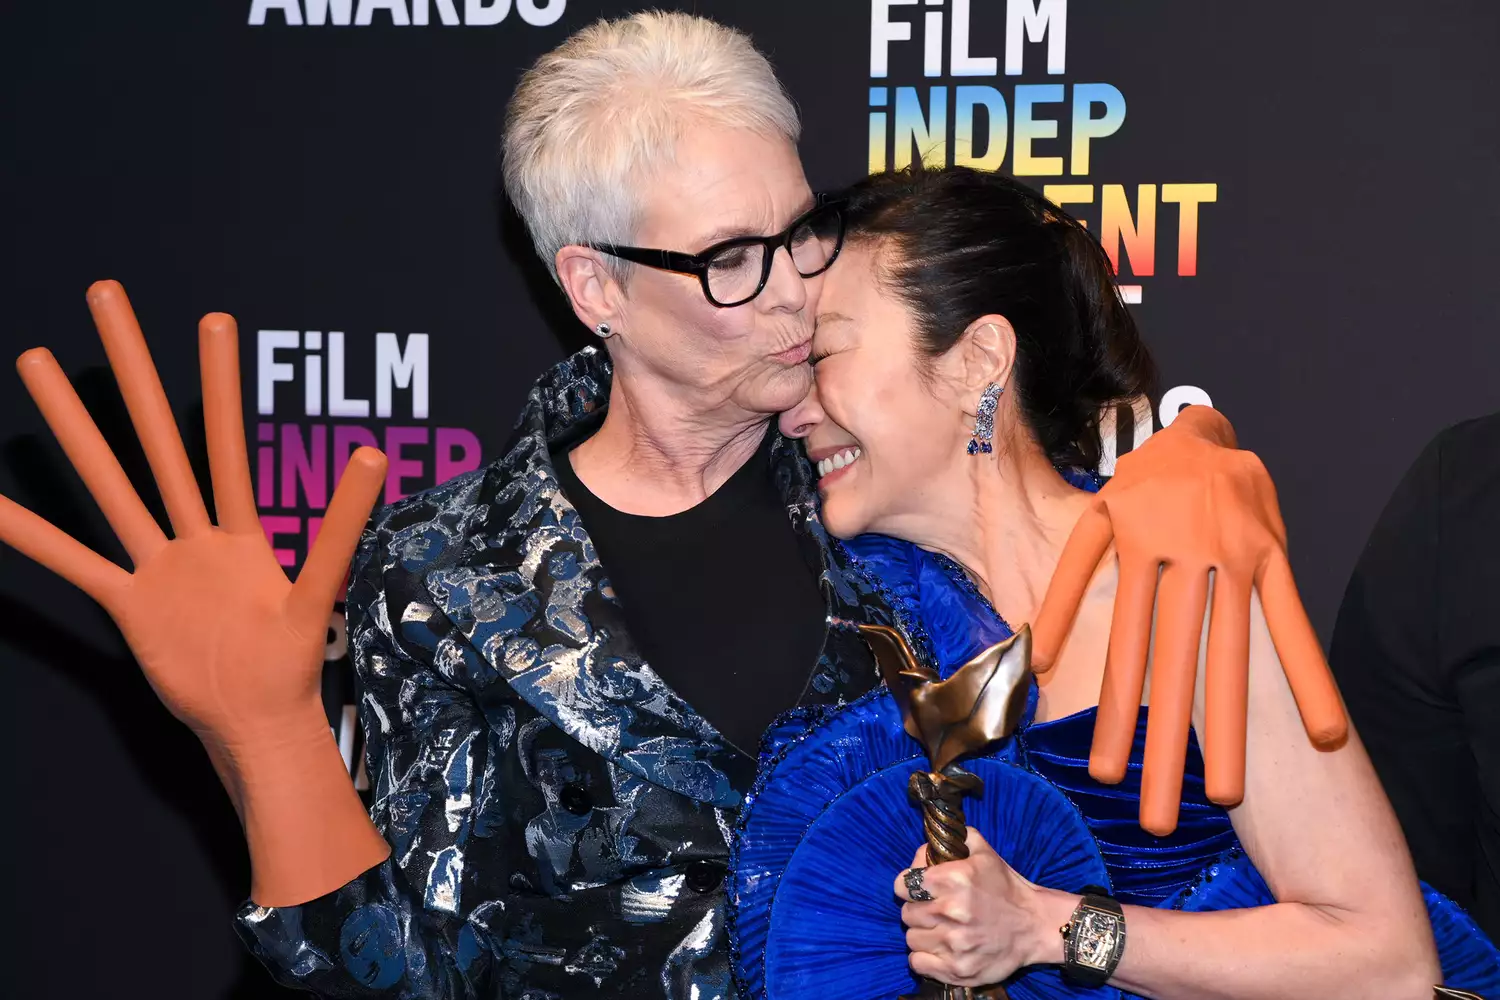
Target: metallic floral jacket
x,y
559,816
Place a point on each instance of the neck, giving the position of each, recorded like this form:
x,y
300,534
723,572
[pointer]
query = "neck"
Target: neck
x,y
655,455
1005,519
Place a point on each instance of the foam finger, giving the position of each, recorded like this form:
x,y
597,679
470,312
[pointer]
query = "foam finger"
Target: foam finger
x,y
327,564
37,539
1124,670
1182,599
1086,545
224,424
1226,690
149,410
90,454
1301,655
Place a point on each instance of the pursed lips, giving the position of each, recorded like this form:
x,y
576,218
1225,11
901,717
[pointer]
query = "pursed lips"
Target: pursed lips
x,y
794,355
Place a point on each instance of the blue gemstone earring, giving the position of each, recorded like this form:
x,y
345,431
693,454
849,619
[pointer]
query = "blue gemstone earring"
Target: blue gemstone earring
x,y
984,422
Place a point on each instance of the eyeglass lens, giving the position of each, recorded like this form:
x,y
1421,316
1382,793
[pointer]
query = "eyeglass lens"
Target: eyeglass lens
x,y
735,273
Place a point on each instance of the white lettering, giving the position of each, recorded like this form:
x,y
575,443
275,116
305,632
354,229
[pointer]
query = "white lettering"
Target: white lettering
x,y
1047,19
932,44
393,368
1175,399
269,371
543,15
312,379
397,9
963,63
317,11
288,8
1109,432
479,12
338,406
446,12
883,31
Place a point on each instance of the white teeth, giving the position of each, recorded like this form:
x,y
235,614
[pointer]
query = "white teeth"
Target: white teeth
x,y
835,462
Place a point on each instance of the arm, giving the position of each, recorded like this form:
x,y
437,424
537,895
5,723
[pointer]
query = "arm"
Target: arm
x,y
1190,501
1351,922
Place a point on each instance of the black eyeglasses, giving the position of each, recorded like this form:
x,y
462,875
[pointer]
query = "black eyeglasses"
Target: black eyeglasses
x,y
735,271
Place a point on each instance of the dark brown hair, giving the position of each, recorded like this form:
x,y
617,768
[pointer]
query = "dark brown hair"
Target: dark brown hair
x,y
963,243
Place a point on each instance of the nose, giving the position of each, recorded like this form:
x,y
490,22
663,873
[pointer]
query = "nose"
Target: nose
x,y
799,421
785,288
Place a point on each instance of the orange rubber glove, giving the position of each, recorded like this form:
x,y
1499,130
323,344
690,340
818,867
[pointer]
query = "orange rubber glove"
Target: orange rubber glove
x,y
1185,503
232,647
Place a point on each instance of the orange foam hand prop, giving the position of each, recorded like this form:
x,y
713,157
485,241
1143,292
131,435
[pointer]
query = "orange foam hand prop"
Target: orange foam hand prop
x,y
232,647
1186,503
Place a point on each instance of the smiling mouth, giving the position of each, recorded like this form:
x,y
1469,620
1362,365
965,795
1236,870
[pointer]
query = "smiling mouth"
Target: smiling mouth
x,y
837,461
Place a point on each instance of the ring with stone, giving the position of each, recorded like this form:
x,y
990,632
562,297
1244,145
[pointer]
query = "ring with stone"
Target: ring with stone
x,y
914,887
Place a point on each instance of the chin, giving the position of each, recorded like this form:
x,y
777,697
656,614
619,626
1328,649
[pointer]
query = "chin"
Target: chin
x,y
778,390
841,517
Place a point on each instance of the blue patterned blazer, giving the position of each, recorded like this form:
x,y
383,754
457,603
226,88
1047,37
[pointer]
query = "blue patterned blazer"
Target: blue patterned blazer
x,y
559,816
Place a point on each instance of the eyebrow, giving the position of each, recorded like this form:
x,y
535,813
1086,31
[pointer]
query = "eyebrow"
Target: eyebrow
x,y
740,232
833,317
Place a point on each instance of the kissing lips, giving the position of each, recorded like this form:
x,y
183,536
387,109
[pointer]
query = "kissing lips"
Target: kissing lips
x,y
793,356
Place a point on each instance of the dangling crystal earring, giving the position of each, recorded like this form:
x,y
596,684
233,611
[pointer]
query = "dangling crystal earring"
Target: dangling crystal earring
x,y
604,331
984,422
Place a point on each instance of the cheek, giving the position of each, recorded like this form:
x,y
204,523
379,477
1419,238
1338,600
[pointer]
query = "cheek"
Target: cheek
x,y
905,424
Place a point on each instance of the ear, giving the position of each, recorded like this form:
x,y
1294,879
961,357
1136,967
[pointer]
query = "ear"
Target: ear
x,y
985,353
590,286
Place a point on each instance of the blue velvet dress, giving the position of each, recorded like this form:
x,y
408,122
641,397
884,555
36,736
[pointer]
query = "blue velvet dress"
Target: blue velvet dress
x,y
1200,865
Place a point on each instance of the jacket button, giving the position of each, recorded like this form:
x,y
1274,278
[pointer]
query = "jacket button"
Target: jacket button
x,y
575,798
705,876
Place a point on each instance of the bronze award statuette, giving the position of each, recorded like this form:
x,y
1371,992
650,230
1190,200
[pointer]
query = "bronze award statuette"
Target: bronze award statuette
x,y
981,703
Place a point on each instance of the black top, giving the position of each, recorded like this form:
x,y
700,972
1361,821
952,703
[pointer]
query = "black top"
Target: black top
x,y
739,663
1417,653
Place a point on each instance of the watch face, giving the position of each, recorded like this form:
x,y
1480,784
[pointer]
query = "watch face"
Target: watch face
x,y
1096,933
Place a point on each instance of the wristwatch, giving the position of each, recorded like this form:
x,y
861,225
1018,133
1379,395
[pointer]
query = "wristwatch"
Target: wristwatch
x,y
1093,939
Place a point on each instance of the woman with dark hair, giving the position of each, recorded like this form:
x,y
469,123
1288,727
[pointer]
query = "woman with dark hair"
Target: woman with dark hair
x,y
965,345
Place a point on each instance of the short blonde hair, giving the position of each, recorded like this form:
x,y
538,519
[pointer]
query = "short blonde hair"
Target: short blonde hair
x,y
590,119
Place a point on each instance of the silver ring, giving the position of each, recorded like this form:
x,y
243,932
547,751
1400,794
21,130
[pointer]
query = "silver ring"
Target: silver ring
x,y
914,887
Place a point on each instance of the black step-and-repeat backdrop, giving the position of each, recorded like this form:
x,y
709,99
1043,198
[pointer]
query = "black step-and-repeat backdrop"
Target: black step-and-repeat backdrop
x,y
1302,200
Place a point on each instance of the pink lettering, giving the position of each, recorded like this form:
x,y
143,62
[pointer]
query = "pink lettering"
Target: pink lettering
x,y
265,465
447,464
401,467
300,467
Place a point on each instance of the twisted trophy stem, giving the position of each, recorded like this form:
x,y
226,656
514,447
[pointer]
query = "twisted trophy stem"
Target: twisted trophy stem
x,y
941,796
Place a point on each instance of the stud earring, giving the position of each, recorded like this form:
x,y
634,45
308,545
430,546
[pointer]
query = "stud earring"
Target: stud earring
x,y
984,421
604,331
